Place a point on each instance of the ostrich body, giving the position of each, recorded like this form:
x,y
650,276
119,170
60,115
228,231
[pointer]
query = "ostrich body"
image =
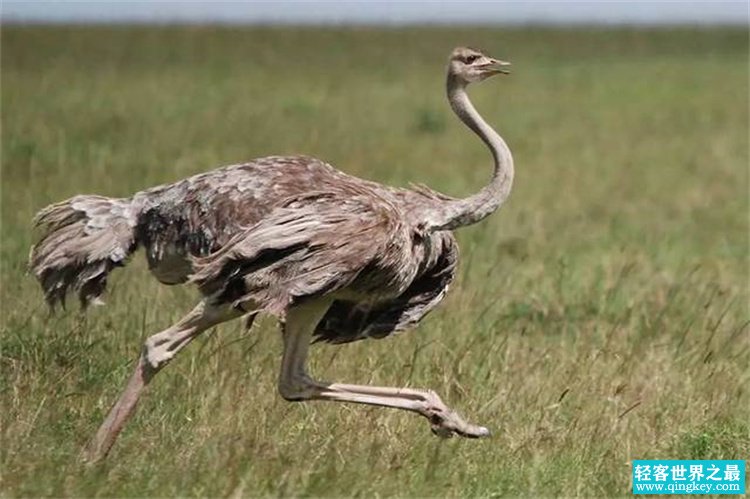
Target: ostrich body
x,y
335,258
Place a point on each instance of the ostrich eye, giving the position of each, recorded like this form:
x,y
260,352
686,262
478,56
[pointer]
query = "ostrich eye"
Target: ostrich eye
x,y
471,58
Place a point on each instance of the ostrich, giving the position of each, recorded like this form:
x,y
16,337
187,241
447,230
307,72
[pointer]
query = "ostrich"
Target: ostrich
x,y
335,258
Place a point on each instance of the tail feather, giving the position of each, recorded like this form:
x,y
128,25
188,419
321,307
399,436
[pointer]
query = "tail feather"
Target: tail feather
x,y
83,239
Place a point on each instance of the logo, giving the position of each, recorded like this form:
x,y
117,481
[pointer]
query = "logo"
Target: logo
x,y
671,476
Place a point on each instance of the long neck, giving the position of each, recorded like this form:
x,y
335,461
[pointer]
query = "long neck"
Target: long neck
x,y
459,213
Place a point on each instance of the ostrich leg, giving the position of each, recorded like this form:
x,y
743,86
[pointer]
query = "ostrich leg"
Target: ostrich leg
x,y
296,385
157,351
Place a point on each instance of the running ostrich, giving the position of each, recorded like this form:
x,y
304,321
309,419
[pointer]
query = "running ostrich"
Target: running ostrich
x,y
335,258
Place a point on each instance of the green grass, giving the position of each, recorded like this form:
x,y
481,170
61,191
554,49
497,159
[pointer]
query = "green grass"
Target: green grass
x,y
600,316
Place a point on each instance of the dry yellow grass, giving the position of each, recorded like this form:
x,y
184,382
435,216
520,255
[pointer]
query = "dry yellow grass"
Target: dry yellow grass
x,y
601,316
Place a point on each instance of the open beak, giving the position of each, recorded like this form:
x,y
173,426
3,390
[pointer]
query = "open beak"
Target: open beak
x,y
496,67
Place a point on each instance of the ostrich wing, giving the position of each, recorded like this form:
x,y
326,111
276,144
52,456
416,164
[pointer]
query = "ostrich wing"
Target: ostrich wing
x,y
312,245
347,321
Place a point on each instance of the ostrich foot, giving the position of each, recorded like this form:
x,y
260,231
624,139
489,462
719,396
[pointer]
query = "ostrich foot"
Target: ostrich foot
x,y
447,422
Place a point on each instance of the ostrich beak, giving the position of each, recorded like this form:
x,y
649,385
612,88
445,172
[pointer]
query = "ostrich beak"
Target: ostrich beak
x,y
496,67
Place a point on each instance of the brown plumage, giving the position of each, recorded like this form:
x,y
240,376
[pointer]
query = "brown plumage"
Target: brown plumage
x,y
273,231
334,257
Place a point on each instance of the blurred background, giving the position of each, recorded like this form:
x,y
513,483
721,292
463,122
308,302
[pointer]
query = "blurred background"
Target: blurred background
x,y
602,315
451,12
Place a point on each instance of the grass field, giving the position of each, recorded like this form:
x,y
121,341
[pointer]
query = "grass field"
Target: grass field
x,y
600,316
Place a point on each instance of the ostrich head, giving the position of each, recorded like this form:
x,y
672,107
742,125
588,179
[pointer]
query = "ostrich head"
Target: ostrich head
x,y
468,65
